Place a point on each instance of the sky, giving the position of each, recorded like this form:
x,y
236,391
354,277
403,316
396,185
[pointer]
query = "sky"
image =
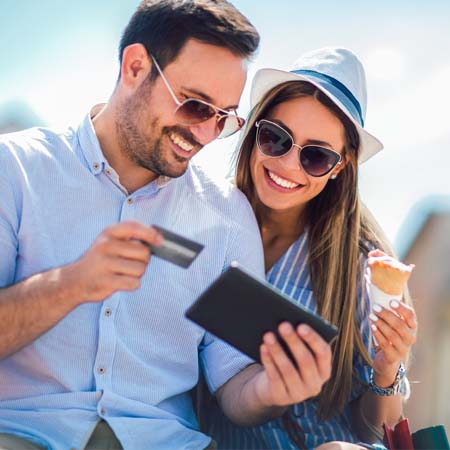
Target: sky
x,y
61,58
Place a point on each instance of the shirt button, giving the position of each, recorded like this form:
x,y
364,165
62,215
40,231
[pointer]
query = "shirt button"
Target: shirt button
x,y
101,370
103,411
108,172
96,166
108,312
130,201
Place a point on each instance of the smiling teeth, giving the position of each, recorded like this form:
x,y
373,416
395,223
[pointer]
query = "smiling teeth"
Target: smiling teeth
x,y
281,181
181,143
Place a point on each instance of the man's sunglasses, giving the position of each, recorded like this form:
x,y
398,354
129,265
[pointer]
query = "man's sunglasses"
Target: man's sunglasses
x,y
193,111
274,141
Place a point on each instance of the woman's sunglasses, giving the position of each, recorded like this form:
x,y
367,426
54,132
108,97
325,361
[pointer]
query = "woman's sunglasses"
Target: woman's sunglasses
x,y
274,141
193,111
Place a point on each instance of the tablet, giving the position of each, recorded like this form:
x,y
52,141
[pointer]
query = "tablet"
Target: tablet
x,y
239,308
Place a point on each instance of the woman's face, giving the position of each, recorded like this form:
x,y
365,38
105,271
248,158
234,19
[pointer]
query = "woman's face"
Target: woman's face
x,y
281,183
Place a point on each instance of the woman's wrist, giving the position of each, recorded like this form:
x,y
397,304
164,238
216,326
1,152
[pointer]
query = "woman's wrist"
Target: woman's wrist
x,y
387,377
394,388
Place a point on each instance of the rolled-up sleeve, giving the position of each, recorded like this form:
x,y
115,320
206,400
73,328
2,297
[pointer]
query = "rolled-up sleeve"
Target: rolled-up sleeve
x,y
220,361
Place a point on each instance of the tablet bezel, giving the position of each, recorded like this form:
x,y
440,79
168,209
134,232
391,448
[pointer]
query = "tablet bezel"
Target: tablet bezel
x,y
239,308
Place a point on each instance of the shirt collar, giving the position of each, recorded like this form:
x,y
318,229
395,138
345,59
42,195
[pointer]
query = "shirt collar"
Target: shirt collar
x,y
89,142
92,151
162,181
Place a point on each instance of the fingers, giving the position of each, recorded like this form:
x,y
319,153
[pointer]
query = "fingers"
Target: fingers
x,y
128,240
116,261
397,328
134,230
127,267
278,387
386,354
384,342
124,283
406,312
389,341
394,332
295,382
320,348
132,250
289,373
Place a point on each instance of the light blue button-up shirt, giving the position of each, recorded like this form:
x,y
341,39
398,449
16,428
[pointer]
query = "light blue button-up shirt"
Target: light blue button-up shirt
x,y
131,359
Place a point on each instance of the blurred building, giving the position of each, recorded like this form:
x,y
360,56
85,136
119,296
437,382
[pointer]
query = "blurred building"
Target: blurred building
x,y
425,241
17,115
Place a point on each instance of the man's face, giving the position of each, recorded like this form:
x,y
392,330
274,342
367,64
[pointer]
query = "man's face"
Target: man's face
x,y
148,132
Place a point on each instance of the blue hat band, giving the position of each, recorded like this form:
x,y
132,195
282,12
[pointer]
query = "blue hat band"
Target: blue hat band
x,y
338,90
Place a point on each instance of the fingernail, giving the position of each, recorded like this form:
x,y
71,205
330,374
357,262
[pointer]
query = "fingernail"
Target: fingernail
x,y
286,328
373,317
377,308
157,239
270,338
303,329
394,304
374,327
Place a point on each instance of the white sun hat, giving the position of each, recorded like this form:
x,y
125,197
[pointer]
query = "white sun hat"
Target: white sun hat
x,y
339,74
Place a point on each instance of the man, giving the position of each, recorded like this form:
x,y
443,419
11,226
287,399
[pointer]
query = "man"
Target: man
x,y
96,352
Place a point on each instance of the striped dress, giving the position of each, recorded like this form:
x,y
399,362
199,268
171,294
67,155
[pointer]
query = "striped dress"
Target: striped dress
x,y
290,274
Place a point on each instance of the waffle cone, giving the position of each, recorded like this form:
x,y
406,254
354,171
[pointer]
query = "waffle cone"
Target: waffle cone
x,y
388,274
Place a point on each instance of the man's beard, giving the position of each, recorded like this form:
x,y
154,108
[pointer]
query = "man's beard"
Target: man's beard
x,y
147,150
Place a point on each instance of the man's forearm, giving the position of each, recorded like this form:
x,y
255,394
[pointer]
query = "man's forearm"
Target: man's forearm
x,y
33,306
240,403
116,261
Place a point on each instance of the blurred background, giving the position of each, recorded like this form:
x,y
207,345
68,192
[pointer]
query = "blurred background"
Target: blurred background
x,y
59,58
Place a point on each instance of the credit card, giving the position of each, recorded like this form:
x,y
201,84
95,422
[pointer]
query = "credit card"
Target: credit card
x,y
176,249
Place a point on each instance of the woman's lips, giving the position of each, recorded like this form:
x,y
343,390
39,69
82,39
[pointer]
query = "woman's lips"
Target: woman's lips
x,y
279,183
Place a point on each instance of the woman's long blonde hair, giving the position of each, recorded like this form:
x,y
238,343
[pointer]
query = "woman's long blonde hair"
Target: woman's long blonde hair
x,y
340,230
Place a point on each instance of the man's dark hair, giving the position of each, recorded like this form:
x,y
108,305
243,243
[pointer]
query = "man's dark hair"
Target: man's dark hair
x,y
164,26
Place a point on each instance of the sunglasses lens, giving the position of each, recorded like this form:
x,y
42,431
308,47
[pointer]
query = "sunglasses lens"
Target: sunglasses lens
x,y
318,161
193,112
272,140
228,125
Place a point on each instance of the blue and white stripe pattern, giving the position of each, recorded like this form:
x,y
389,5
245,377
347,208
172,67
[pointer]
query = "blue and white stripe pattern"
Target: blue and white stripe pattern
x,y
291,275
132,359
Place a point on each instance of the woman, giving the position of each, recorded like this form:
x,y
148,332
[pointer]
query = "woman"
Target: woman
x,y
298,166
